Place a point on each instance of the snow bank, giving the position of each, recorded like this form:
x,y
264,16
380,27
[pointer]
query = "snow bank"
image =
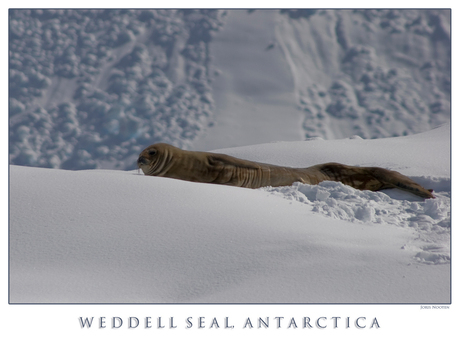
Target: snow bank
x,y
118,236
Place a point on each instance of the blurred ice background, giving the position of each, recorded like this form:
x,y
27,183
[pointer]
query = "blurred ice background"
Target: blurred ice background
x,y
92,88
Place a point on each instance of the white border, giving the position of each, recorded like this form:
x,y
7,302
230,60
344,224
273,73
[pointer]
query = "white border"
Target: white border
x,y
61,321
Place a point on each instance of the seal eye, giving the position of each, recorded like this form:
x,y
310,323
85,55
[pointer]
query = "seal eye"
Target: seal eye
x,y
152,152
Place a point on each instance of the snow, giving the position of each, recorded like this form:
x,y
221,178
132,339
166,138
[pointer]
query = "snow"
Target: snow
x,y
86,80
96,236
93,87
259,104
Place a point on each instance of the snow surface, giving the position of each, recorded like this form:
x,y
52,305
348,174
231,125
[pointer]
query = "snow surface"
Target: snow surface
x,y
118,236
91,88
254,92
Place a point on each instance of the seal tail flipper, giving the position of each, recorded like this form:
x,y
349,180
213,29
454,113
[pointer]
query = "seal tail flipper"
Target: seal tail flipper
x,y
394,179
371,178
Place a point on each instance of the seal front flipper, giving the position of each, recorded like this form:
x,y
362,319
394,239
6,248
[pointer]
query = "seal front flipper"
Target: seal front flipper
x,y
217,159
238,172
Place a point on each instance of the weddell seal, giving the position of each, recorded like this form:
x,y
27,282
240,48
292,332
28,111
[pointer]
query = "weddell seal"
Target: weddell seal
x,y
165,160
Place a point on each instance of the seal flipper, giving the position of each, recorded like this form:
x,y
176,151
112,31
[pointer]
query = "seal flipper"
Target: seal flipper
x,y
397,180
371,178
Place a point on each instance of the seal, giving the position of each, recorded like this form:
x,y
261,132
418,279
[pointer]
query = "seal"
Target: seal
x,y
165,160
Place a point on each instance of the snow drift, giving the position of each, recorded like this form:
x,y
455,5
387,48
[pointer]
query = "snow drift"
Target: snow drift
x,y
116,236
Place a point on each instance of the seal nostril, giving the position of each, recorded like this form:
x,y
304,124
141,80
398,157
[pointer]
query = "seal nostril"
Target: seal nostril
x,y
141,160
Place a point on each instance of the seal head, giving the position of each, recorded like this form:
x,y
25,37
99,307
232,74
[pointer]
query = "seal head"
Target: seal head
x,y
157,159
